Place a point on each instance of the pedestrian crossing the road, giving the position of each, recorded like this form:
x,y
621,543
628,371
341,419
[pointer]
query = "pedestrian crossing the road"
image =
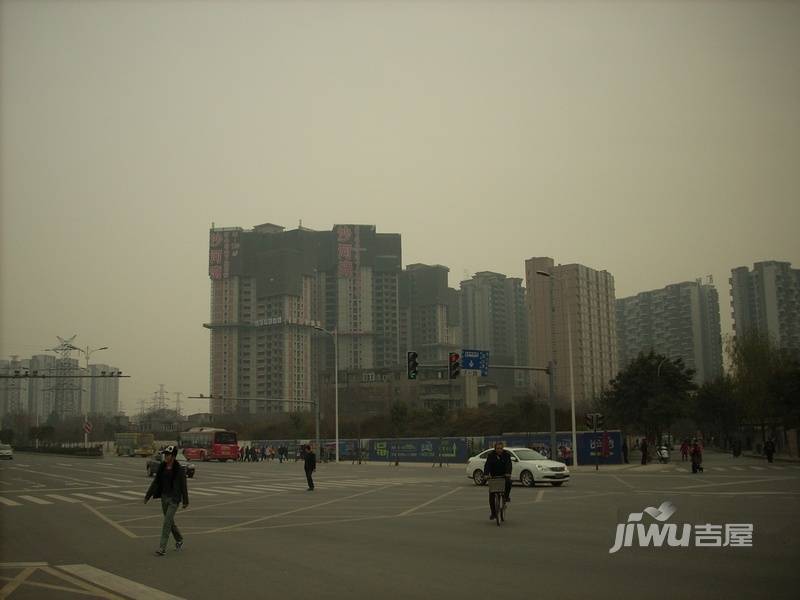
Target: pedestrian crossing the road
x,y
239,488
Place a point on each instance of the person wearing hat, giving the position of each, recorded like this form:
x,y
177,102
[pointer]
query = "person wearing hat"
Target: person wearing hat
x,y
169,484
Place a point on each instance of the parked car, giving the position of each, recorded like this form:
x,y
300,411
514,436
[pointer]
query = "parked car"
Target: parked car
x,y
155,460
6,452
529,468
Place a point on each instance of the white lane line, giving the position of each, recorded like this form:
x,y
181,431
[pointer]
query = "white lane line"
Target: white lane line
x,y
719,468
118,480
289,512
411,510
257,488
199,493
114,495
115,583
216,491
63,498
776,468
539,496
35,500
623,482
8,502
89,497
114,524
756,468
137,495
737,468
64,464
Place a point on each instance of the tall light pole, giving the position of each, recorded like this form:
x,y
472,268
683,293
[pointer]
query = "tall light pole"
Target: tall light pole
x,y
87,353
335,336
571,371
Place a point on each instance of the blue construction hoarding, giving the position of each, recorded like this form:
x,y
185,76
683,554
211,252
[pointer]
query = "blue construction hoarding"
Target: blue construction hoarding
x,y
419,450
605,446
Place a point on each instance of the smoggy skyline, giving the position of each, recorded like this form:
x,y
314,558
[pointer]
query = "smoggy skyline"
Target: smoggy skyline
x,y
657,140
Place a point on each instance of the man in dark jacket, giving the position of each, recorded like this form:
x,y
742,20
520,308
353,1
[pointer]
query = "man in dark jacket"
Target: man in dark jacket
x,y
498,464
769,450
310,465
169,484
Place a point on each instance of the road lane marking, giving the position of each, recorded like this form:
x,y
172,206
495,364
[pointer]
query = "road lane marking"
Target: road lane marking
x,y
115,583
115,495
19,565
63,498
64,464
539,496
114,524
737,468
424,504
54,475
289,512
8,502
719,468
12,585
199,493
756,468
623,482
740,482
35,500
89,497
137,495
219,491
118,480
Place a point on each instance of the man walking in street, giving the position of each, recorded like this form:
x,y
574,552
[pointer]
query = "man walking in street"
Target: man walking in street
x,y
310,465
643,448
769,450
697,458
169,484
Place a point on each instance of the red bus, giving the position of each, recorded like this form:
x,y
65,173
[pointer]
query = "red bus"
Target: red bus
x,y
209,443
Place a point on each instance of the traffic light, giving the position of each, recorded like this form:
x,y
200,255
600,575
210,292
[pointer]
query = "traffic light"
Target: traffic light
x,y
455,365
599,421
413,365
589,420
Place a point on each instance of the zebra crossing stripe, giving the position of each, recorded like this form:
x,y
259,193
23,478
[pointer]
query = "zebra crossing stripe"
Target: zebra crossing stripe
x,y
261,488
8,502
737,468
63,498
757,468
199,493
89,497
118,480
217,491
137,495
718,469
35,500
115,495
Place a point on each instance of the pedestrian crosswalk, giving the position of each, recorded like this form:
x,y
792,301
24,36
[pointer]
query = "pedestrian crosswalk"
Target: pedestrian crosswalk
x,y
208,491
739,469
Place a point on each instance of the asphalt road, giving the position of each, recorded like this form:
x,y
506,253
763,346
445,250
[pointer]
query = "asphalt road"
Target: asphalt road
x,y
252,531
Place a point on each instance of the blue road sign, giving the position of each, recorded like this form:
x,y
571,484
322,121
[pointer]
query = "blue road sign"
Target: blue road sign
x,y
475,360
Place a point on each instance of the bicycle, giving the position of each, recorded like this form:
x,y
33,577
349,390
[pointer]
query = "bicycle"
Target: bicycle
x,y
497,491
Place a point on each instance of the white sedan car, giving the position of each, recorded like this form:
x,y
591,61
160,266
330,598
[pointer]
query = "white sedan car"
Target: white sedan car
x,y
529,468
6,451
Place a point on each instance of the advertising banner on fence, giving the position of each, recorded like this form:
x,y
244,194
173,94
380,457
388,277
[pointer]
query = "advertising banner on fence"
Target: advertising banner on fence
x,y
419,450
605,446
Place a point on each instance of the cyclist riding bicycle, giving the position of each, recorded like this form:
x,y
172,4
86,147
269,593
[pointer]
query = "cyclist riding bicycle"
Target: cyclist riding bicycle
x,y
498,464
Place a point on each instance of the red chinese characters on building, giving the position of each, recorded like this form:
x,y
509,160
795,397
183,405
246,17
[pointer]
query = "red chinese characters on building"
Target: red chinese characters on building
x,y
344,251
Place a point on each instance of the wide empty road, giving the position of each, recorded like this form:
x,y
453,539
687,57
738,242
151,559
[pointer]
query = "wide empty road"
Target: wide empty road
x,y
78,528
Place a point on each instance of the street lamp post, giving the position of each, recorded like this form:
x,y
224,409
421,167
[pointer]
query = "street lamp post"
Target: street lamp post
x,y
87,353
335,336
571,371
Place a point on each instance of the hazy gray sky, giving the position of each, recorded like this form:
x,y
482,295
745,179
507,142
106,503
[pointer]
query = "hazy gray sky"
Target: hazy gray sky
x,y
658,140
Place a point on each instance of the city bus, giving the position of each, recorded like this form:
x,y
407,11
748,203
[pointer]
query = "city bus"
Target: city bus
x,y
209,443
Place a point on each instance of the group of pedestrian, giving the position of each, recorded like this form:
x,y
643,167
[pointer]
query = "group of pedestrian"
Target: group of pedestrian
x,y
262,453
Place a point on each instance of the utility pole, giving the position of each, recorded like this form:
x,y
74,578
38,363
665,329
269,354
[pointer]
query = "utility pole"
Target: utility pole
x,y
178,403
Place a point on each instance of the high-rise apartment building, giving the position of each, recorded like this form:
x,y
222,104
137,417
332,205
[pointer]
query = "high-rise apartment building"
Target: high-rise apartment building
x,y
678,321
576,299
767,299
274,291
493,318
103,391
429,313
